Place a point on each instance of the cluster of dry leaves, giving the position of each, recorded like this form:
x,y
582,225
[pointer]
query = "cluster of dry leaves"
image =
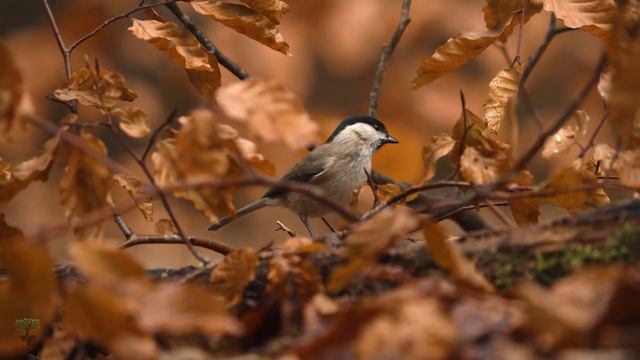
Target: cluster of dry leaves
x,y
304,298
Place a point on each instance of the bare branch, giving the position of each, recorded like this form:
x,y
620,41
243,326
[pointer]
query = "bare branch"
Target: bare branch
x,y
282,227
592,139
111,20
212,245
566,115
122,225
387,51
156,132
206,43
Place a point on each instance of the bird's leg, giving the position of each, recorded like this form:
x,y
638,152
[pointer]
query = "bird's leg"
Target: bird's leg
x,y
326,222
305,221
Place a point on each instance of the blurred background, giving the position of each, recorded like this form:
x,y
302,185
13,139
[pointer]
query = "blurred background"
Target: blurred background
x,y
335,46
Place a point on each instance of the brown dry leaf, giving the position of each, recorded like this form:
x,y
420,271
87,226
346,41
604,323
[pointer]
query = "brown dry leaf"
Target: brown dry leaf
x,y
503,89
566,314
565,181
244,20
101,90
368,240
165,226
133,121
416,329
560,142
271,112
497,13
593,16
483,168
448,256
440,146
386,191
291,276
627,166
58,347
85,184
29,290
181,46
525,210
93,313
35,169
231,276
623,58
182,309
462,48
106,264
272,9
205,150
449,57
133,186
11,90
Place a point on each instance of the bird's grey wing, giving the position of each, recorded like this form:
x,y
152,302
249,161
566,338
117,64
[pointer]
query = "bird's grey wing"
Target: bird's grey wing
x,y
308,170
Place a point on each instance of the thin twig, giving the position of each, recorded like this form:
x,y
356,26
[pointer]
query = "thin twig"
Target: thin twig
x,y
516,58
282,227
107,22
156,132
566,115
463,140
592,139
212,245
387,51
206,43
122,225
498,213
373,186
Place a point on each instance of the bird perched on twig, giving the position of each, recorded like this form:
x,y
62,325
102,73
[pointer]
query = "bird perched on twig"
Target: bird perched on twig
x,y
338,166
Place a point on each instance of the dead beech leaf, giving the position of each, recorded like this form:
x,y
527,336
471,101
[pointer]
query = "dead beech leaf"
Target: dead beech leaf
x,y
482,168
503,89
272,9
34,169
386,191
456,52
368,240
205,150
181,309
11,90
460,49
106,264
133,121
272,113
560,142
103,90
92,312
165,226
84,185
133,186
567,313
448,256
29,290
230,277
592,16
525,210
244,20
498,12
624,91
416,329
182,47
627,165
440,146
565,181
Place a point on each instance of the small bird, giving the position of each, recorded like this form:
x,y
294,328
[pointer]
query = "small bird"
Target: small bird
x,y
339,166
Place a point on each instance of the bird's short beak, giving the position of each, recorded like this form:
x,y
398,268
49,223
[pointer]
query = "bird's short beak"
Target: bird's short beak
x,y
391,140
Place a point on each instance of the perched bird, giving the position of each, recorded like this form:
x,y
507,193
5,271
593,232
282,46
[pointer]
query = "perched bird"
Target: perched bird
x,y
339,166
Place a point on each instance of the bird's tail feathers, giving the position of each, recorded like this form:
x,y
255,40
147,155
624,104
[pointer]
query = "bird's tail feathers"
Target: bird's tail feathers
x,y
240,213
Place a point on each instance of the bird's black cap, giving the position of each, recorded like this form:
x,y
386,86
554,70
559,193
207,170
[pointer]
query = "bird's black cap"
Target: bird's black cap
x,y
375,123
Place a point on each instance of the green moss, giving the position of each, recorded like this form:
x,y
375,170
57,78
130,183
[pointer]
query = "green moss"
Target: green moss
x,y
505,268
